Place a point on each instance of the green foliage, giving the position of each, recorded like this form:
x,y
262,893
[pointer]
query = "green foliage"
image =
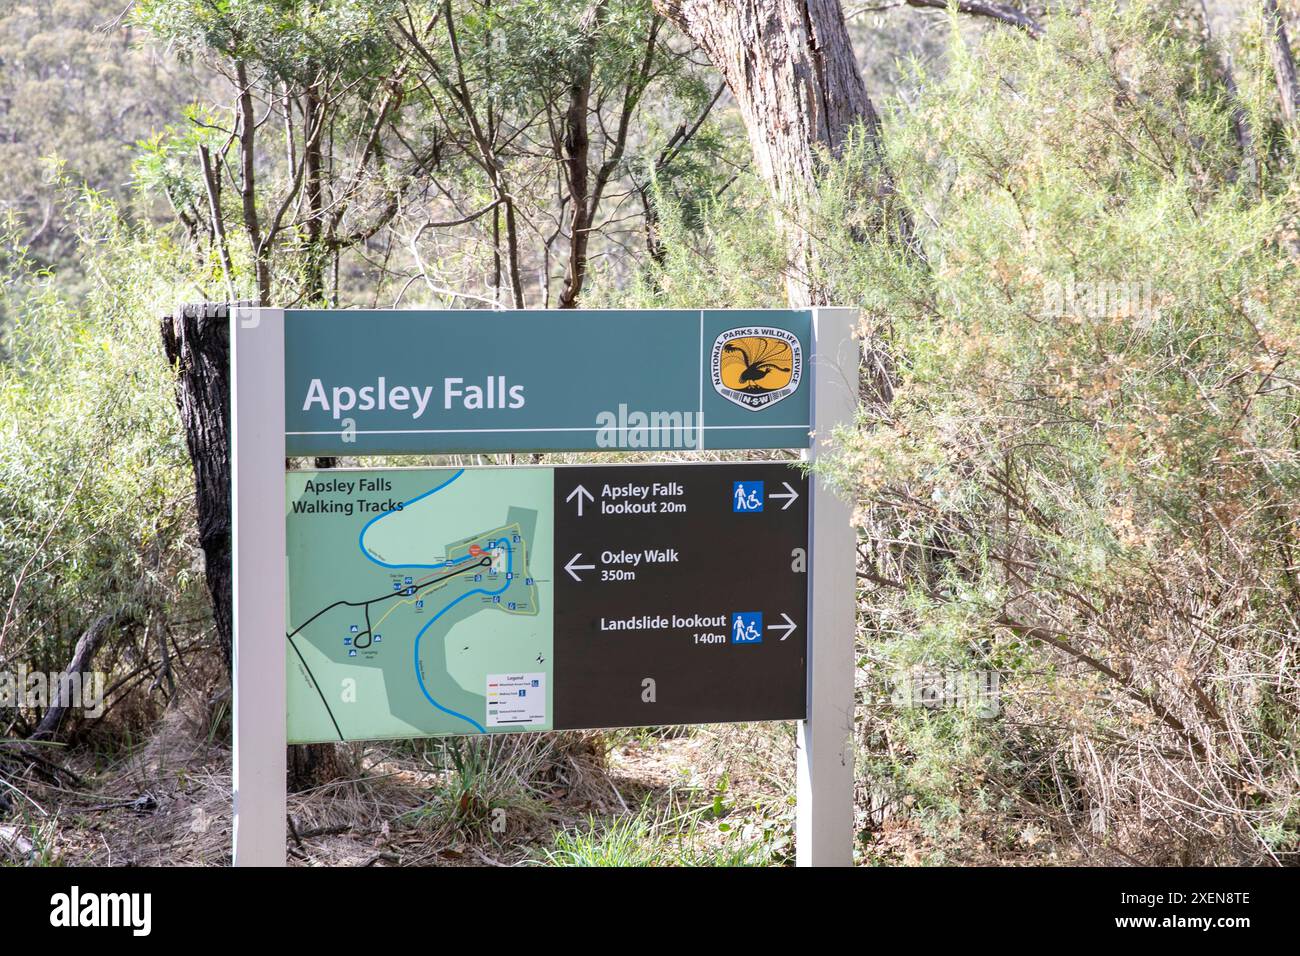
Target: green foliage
x,y
654,837
74,97
95,486
442,136
288,39
483,781
31,837
1083,477
1086,480
719,250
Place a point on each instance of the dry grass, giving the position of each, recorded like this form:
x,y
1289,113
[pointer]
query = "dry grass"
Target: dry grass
x,y
166,801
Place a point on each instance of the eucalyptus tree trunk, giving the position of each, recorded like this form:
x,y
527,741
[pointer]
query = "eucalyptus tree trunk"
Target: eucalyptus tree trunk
x,y
790,66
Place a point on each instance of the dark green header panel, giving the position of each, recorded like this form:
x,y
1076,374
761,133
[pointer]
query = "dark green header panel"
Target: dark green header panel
x,y
415,382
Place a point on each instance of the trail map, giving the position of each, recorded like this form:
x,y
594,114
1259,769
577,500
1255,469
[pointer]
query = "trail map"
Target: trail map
x,y
419,603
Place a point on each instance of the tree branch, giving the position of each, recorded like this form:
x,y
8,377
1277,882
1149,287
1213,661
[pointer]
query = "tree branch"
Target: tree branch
x,y
1002,12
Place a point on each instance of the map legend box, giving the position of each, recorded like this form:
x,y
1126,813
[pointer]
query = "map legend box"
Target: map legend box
x,y
515,699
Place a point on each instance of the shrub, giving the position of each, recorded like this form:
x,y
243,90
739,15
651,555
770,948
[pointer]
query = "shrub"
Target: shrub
x,y
95,486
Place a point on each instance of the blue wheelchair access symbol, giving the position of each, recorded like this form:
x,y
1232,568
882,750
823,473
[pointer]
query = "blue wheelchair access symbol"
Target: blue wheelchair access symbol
x,y
747,627
747,496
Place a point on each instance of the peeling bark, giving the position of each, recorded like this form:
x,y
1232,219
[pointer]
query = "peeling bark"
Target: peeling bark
x,y
791,68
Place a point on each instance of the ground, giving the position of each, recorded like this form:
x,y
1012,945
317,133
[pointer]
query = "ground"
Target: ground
x,y
634,797
713,795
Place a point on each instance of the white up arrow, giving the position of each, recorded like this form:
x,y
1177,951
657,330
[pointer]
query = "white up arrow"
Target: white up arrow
x,y
788,499
573,568
580,492
789,625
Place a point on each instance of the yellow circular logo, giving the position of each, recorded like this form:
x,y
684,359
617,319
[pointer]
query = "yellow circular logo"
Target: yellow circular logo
x,y
756,367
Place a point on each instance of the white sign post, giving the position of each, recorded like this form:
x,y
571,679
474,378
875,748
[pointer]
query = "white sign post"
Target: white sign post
x,y
257,526
824,809
824,815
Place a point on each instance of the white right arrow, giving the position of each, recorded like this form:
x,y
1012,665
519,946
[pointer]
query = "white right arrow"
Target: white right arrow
x,y
789,500
573,567
580,492
789,625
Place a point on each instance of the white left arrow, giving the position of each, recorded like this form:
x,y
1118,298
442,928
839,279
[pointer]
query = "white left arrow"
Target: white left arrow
x,y
573,568
789,625
580,492
789,500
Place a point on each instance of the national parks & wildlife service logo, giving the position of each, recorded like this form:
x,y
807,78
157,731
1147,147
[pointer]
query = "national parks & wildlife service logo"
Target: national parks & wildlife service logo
x,y
757,366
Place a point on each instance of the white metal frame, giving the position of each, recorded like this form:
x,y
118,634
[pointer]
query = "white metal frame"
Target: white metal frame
x,y
258,549
824,815
824,779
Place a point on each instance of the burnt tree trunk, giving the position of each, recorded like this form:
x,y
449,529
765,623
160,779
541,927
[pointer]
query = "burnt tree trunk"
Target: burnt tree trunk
x,y
791,68
197,344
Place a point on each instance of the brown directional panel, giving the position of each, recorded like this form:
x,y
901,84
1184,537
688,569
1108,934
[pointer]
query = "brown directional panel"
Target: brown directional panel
x,y
681,594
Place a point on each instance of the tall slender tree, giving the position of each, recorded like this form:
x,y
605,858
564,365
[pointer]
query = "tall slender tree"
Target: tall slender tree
x,y
792,70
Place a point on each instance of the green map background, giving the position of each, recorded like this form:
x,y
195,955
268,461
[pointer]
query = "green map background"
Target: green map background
x,y
470,641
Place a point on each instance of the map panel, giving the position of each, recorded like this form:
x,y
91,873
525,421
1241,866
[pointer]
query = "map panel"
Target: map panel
x,y
417,601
